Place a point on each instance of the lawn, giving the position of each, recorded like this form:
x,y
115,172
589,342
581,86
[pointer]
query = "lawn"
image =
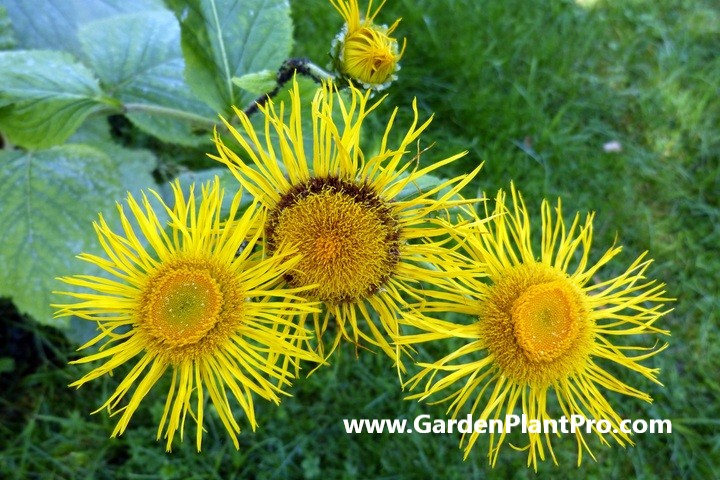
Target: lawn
x,y
612,106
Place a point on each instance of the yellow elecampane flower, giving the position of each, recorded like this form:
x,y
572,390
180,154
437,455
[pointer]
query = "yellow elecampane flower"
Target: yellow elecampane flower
x,y
198,302
364,52
546,324
364,246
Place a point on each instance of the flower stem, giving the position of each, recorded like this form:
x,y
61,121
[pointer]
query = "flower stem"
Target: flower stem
x,y
168,112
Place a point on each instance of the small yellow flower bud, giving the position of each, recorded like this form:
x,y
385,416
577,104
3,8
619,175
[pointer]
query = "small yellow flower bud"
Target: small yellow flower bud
x,y
363,52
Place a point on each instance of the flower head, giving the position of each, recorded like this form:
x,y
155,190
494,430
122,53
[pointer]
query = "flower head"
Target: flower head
x,y
363,52
198,301
543,325
363,228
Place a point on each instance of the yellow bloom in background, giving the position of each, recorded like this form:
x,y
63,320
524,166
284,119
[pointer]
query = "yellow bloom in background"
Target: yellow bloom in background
x,y
198,302
544,324
364,52
363,244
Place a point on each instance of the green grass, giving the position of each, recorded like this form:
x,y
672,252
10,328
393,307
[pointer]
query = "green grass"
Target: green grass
x,y
534,90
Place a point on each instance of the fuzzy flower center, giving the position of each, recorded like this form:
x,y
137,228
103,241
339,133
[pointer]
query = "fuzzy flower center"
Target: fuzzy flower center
x,y
189,307
347,235
536,324
546,320
328,247
183,306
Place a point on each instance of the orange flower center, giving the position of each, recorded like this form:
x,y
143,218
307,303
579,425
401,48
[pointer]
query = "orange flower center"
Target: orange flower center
x,y
183,306
347,235
546,320
535,323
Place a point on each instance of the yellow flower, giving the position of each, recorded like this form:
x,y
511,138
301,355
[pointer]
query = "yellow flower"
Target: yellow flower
x,y
198,302
543,324
360,222
365,52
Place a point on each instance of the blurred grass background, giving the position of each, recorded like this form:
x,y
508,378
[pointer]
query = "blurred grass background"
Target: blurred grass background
x,y
534,90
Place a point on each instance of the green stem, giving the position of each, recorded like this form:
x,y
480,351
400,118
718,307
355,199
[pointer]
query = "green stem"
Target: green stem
x,y
317,73
168,112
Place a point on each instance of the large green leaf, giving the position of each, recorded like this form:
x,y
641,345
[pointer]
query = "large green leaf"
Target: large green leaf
x,y
139,60
94,132
49,200
45,96
222,39
53,24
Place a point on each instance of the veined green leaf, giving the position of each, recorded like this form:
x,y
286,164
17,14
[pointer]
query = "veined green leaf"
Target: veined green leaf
x,y
49,200
45,96
139,60
223,39
53,24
